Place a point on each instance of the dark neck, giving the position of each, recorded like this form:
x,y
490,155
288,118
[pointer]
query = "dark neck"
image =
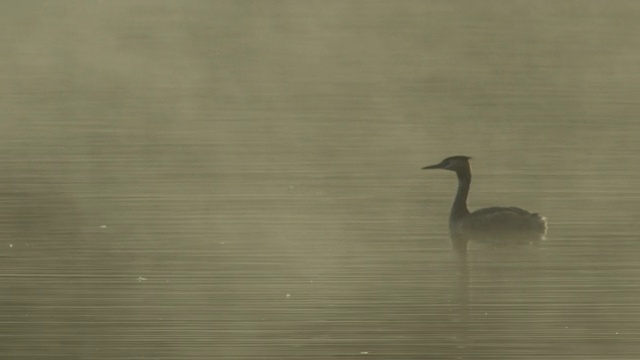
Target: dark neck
x,y
459,208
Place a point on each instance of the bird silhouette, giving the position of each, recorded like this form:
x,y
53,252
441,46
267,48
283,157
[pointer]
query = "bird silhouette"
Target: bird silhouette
x,y
495,225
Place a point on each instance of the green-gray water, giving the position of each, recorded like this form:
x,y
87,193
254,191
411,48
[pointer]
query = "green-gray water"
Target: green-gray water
x,y
241,179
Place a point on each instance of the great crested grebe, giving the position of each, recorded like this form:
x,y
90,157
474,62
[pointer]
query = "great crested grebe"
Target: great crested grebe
x,y
498,225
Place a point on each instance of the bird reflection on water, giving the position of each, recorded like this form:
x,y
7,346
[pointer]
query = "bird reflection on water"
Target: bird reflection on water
x,y
493,225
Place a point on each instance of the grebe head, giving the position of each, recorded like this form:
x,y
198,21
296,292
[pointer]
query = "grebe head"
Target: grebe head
x,y
453,163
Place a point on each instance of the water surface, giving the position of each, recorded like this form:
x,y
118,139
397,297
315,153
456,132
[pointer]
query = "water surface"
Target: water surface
x,y
242,180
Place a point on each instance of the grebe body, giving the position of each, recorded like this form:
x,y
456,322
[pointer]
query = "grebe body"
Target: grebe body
x,y
496,225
